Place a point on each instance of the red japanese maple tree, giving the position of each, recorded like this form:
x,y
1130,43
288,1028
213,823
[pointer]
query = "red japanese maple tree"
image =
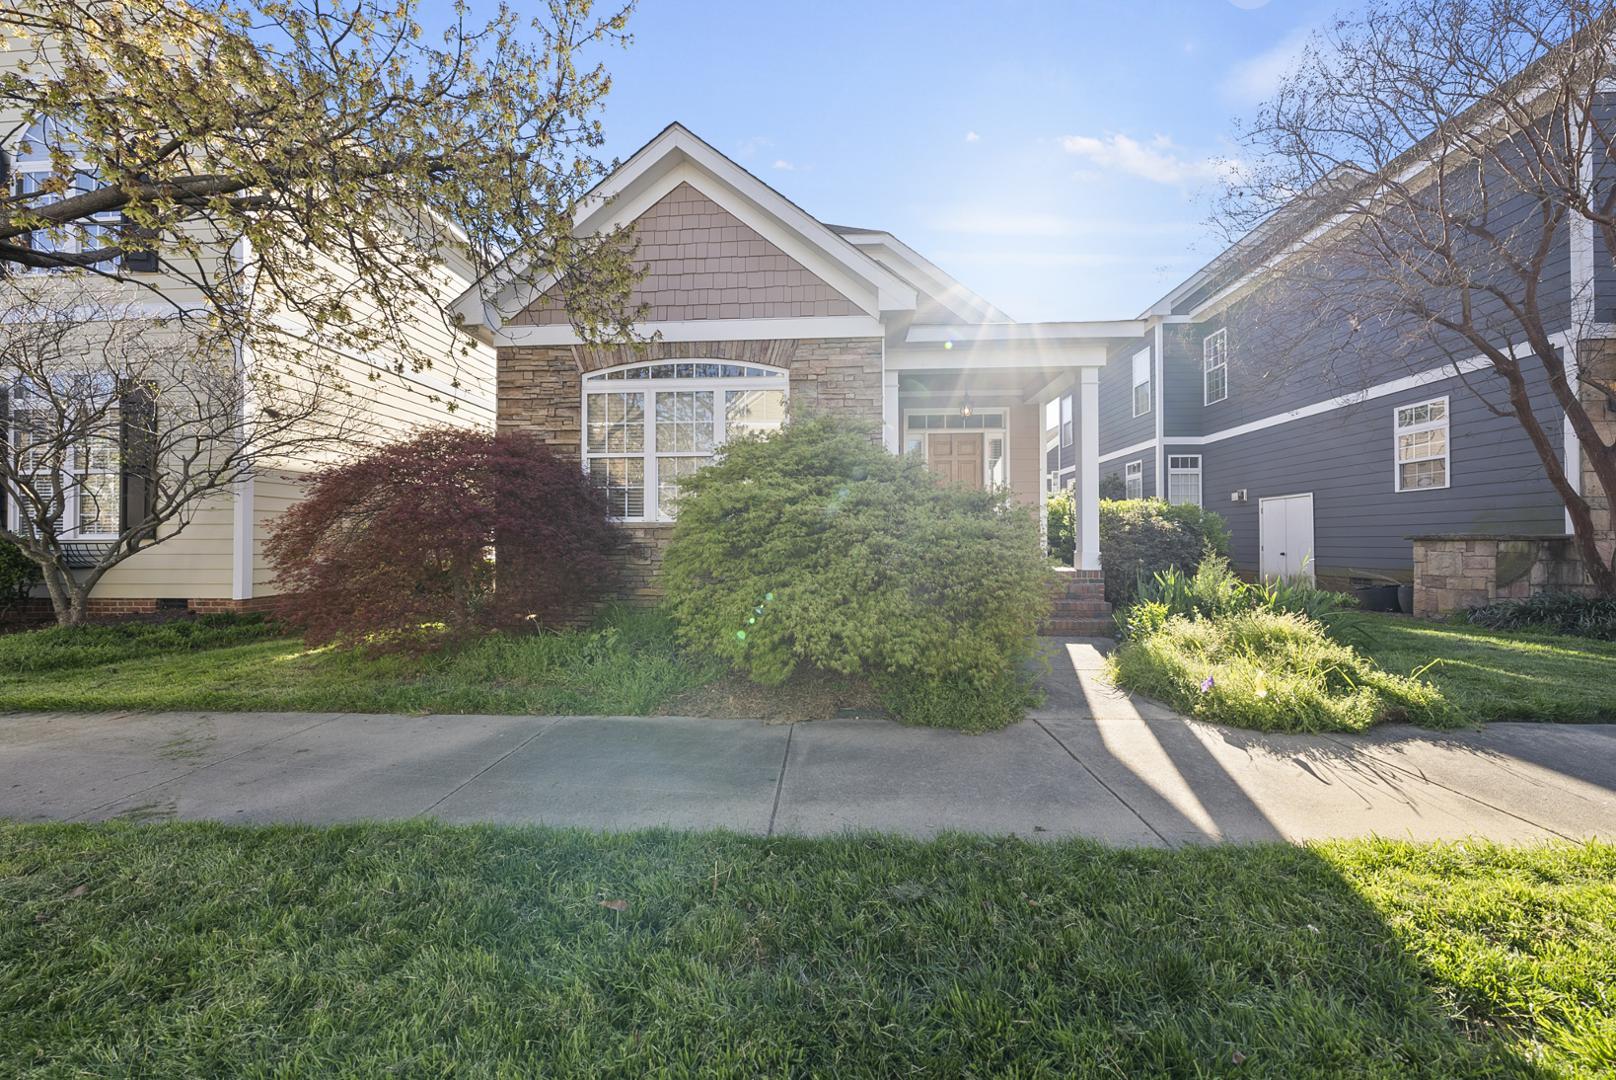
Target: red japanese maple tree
x,y
397,549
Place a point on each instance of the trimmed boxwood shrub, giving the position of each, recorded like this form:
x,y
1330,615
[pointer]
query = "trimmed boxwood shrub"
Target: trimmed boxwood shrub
x,y
394,550
1142,537
813,545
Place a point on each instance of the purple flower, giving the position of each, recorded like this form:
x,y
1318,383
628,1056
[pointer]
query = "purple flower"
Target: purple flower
x,y
1206,685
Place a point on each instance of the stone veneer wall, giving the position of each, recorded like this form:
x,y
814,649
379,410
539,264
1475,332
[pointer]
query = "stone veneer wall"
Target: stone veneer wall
x,y
541,391
1461,571
1598,360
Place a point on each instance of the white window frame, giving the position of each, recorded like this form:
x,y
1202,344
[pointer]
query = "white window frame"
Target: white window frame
x,y
1133,473
69,239
1141,378
1000,431
1066,425
599,383
1399,429
71,466
1184,470
1214,344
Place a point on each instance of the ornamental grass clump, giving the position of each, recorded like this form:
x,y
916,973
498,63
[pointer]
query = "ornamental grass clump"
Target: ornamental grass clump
x,y
1271,671
814,546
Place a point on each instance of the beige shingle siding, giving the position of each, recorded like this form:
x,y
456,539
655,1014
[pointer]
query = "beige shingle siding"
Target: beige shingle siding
x,y
702,262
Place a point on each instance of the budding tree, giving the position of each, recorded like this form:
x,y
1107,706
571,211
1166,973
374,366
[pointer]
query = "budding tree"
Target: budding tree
x,y
241,191
1430,173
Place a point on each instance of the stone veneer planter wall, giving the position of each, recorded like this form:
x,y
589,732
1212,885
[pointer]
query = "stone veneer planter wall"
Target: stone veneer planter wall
x,y
541,391
1458,571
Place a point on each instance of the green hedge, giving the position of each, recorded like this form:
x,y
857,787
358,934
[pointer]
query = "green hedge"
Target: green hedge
x,y
18,576
813,545
1142,537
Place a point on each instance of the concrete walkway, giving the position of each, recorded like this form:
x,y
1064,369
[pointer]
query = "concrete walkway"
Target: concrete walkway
x,y
1092,762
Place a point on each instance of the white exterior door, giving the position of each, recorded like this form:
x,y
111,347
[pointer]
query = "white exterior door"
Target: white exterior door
x,y
1285,536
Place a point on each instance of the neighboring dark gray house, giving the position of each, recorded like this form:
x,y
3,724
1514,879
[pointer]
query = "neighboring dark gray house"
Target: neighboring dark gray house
x,y
1324,459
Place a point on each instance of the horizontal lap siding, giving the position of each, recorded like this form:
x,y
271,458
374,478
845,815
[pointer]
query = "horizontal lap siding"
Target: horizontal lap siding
x,y
1117,466
1345,458
1119,427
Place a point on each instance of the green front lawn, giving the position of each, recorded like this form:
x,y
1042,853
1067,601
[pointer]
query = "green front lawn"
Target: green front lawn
x,y
422,950
1492,674
627,666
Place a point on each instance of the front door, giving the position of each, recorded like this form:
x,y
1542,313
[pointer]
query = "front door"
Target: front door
x,y
956,457
1285,533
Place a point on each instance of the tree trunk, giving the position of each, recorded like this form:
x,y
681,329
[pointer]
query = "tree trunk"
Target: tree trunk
x,y
70,600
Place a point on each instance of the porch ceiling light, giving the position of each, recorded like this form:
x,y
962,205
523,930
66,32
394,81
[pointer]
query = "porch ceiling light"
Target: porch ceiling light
x,y
965,406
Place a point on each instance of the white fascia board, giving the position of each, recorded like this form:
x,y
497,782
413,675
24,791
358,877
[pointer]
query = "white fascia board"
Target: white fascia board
x,y
944,287
826,326
1077,332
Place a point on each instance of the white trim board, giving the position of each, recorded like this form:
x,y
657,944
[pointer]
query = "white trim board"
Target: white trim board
x,y
810,327
1135,448
1341,401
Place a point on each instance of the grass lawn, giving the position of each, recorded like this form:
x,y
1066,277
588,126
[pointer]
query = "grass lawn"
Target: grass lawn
x,y
423,950
628,666
1493,674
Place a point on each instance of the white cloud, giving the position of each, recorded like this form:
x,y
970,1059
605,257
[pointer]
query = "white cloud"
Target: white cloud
x,y
1256,78
1158,160
785,166
971,136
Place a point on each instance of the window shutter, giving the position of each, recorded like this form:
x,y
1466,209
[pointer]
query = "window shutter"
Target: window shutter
x,y
138,261
142,261
137,445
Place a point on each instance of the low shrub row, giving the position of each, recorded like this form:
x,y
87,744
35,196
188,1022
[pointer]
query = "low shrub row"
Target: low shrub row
x,y
1559,613
1214,590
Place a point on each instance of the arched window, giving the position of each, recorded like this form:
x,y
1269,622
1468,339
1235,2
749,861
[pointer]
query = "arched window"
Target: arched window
x,y
647,424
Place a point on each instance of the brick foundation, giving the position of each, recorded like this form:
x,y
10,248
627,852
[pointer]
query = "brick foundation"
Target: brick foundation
x,y
37,611
541,392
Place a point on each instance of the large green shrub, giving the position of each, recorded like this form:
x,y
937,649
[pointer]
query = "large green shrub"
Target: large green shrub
x,y
18,576
1139,537
812,545
1273,671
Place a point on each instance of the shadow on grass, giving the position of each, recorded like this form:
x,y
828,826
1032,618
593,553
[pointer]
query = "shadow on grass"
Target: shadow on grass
x,y
205,950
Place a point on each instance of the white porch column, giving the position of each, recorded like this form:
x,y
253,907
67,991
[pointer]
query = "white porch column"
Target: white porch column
x,y
1088,470
890,435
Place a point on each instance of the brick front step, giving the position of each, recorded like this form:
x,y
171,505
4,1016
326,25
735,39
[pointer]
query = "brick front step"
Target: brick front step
x,y
1062,627
1071,605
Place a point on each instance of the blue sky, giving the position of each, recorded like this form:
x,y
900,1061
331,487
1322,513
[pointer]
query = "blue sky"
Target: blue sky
x,y
1056,157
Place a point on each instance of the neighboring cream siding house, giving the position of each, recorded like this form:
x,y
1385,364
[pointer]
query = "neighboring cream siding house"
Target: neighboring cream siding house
x,y
215,562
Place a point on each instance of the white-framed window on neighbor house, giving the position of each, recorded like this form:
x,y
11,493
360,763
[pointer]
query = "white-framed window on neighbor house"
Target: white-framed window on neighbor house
x,y
1215,367
1422,445
1066,420
87,471
1141,382
1184,478
1133,480
648,424
35,170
